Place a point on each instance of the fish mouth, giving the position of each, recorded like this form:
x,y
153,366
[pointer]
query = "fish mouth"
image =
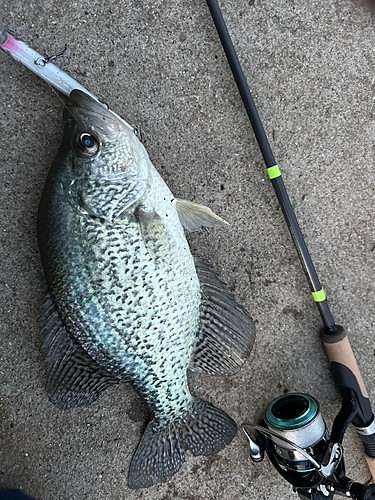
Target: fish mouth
x,y
94,115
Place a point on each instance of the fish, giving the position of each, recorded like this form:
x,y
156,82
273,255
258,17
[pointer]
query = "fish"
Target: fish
x,y
127,301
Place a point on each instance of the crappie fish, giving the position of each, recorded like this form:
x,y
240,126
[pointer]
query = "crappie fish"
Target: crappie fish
x,y
126,300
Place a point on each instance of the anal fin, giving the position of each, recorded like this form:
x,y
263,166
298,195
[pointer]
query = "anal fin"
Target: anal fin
x,y
73,378
227,331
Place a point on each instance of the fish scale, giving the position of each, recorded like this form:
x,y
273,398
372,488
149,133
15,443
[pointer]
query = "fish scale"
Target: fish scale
x,y
170,304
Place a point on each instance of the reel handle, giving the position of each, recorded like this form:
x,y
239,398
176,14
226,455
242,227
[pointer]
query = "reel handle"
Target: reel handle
x,y
348,378
339,350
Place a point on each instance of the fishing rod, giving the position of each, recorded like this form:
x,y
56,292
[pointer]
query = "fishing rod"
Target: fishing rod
x,y
322,475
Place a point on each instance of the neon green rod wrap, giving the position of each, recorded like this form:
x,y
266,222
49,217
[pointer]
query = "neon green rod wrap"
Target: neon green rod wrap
x,y
273,172
319,296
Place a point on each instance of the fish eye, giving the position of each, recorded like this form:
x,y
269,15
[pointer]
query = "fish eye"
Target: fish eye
x,y
87,144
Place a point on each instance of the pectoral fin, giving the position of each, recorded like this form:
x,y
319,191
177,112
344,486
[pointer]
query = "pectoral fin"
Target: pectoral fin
x,y
193,216
157,237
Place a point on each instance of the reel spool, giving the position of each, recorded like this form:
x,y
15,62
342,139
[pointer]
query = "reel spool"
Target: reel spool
x,y
296,440
298,419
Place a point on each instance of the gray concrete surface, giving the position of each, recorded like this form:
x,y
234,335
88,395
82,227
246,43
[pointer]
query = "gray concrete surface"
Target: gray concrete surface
x,y
160,65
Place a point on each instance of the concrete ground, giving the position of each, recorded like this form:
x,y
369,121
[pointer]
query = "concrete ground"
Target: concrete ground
x,y
159,63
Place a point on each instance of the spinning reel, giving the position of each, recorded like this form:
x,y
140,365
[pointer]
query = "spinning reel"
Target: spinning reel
x,y
296,440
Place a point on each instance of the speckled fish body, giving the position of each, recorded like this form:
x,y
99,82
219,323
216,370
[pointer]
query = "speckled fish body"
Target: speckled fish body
x,y
124,289
136,314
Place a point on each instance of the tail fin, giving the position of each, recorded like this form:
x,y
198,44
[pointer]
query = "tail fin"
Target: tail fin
x,y
205,431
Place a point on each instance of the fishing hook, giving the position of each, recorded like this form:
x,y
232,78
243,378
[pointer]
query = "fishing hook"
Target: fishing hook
x,y
42,61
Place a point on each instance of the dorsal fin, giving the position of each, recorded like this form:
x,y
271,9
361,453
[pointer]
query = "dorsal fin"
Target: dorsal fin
x,y
73,378
227,331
